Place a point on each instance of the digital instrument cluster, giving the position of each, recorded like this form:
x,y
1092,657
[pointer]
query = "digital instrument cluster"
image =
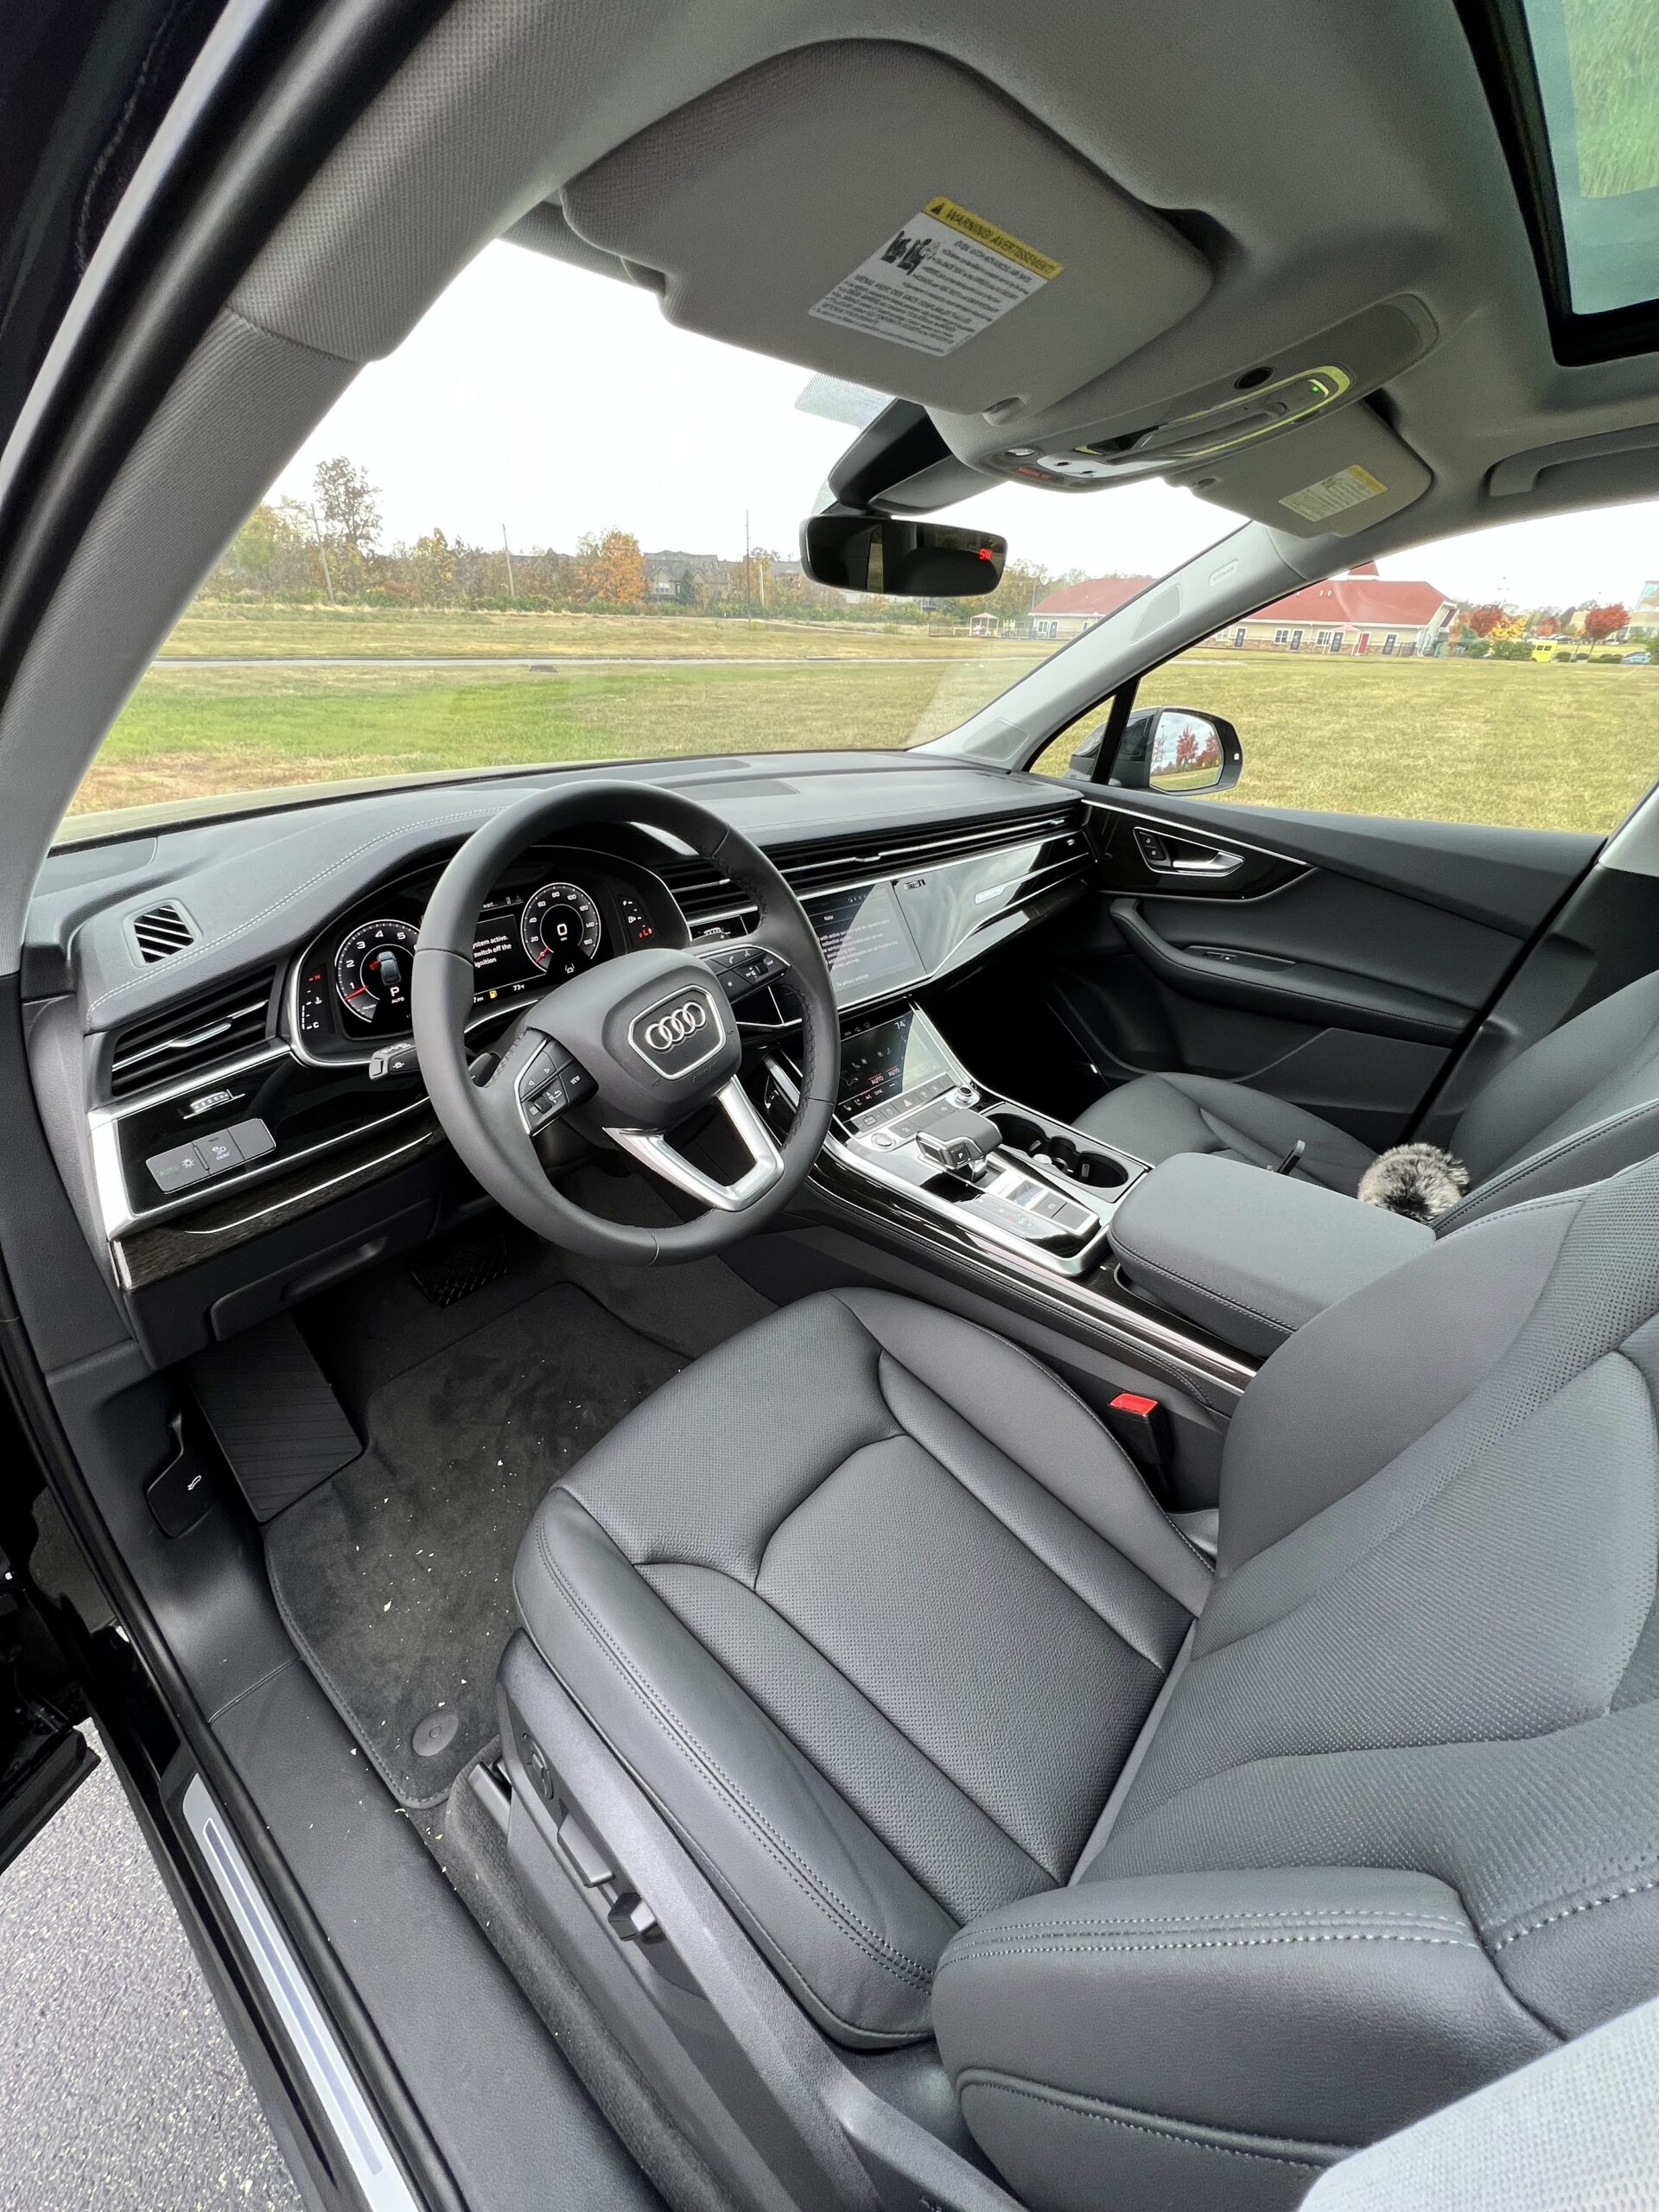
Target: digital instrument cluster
x,y
534,929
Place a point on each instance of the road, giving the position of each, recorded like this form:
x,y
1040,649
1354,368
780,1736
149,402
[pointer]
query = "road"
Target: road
x,y
119,2089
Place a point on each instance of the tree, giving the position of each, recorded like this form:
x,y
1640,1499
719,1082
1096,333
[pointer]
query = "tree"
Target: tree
x,y
1601,622
432,560
611,569
1484,619
346,506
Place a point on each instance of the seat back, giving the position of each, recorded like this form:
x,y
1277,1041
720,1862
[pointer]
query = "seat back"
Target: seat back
x,y
1578,1106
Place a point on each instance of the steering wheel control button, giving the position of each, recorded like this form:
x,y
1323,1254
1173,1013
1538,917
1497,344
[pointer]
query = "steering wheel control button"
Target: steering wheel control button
x,y
178,1169
394,1060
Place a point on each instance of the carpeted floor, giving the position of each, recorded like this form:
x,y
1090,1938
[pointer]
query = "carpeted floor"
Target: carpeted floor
x,y
396,1576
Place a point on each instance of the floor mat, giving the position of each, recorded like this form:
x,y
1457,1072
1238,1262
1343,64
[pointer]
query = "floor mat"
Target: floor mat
x,y
396,1577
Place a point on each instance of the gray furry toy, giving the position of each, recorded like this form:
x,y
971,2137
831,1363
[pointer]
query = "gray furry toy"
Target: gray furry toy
x,y
1418,1180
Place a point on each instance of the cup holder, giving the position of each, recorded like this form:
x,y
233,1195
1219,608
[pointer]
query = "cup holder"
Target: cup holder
x,y
1024,1136
1082,1163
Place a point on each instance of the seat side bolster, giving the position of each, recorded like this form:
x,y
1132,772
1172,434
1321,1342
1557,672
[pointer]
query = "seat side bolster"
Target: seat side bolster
x,y
1286,2016
1591,1155
847,1927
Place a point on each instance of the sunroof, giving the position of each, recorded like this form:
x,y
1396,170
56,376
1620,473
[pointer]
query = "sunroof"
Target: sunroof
x,y
1597,63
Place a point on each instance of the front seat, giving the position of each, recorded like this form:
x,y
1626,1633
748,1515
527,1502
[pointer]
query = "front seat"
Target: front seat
x,y
1580,1103
1200,1879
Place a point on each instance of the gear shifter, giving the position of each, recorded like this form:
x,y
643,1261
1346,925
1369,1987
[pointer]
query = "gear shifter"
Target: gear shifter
x,y
960,1141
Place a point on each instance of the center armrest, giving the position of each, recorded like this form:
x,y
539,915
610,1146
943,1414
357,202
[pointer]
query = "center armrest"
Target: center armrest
x,y
1251,1255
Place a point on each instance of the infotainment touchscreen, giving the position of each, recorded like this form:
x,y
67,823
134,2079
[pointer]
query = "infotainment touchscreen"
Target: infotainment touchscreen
x,y
889,1062
865,941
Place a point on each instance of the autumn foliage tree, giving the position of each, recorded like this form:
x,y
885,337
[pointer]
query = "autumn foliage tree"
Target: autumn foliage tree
x,y
1482,620
1601,622
610,570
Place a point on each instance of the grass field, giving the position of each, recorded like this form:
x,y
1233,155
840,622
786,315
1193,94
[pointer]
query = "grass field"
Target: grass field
x,y
277,632
1559,747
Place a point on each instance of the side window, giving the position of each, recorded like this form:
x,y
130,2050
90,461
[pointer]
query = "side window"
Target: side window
x,y
1392,695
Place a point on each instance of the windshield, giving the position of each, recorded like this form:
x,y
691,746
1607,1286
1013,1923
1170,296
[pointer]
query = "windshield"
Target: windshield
x,y
551,527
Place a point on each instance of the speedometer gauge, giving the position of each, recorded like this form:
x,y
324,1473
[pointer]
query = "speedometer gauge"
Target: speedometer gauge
x,y
561,928
372,969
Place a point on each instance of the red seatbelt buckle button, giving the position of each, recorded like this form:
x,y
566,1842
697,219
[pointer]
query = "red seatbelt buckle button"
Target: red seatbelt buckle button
x,y
1141,1425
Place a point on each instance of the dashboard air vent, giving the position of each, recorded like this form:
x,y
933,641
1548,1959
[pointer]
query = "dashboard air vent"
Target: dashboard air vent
x,y
712,904
203,1032
161,932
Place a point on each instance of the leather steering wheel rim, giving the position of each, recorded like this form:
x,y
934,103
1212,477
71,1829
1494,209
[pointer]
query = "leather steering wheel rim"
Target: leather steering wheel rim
x,y
491,1142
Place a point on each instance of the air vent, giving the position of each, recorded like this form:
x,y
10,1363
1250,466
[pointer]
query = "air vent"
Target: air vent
x,y
709,900
161,932
203,1032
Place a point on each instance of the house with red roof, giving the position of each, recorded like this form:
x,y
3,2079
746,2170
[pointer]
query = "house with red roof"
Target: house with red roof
x,y
1071,608
1358,613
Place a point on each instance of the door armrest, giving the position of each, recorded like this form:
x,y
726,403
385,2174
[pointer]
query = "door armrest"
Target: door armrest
x,y
1251,1255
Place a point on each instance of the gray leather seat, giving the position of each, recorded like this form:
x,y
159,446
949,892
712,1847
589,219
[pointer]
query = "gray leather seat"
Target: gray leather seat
x,y
1200,1880
1580,1103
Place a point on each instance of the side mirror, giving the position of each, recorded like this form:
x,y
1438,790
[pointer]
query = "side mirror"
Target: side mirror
x,y
908,560
1175,749
1084,764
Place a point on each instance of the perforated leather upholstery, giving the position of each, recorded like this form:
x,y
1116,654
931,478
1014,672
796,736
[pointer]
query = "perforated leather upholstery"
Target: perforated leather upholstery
x,y
874,1610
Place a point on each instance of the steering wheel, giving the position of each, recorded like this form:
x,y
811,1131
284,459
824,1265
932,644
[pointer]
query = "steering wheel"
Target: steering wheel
x,y
631,1048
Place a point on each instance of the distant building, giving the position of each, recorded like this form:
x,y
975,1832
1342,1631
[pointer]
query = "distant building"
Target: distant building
x,y
666,572
1645,614
1360,612
1071,609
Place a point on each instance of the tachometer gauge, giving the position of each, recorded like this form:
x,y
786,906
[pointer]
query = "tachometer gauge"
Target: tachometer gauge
x,y
372,969
561,928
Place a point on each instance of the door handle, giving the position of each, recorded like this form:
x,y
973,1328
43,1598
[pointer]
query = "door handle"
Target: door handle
x,y
1181,858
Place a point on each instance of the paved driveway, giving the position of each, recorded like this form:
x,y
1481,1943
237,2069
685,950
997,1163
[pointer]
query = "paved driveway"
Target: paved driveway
x,y
119,2089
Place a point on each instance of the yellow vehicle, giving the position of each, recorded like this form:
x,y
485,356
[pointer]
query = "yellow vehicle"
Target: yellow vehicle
x,y
1549,649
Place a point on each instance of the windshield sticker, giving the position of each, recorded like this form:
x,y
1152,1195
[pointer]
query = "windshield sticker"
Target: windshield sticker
x,y
943,277
1314,502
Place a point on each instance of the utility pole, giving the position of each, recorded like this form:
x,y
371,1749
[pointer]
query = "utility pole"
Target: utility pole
x,y
748,590
323,555
507,549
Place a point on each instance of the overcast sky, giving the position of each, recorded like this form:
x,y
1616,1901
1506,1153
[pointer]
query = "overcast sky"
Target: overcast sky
x,y
539,397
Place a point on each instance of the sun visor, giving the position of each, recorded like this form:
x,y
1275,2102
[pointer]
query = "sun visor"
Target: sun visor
x,y
1328,478
877,213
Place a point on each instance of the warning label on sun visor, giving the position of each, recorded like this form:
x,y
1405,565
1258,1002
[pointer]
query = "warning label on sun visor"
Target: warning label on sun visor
x,y
1317,502
941,279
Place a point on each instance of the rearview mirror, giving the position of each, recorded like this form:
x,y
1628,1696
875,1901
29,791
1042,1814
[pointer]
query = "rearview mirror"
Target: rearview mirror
x,y
909,560
1177,750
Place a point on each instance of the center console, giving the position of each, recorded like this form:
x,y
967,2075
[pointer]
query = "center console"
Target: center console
x,y
915,1122
921,1152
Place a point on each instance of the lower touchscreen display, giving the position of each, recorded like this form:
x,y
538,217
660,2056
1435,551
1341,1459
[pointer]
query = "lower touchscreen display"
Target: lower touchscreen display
x,y
880,1064
865,941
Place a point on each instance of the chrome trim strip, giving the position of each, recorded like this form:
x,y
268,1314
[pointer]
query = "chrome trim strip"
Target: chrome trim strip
x,y
651,1149
1039,830
363,2146
314,1190
203,1079
116,1210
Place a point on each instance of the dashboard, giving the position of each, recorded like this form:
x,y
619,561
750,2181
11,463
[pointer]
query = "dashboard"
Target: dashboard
x,y
556,911
240,1116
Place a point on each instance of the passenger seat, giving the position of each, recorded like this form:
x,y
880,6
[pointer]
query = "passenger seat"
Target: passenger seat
x,y
1577,1106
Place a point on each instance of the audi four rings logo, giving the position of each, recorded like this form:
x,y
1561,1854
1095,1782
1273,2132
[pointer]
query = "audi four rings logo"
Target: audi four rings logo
x,y
676,1026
